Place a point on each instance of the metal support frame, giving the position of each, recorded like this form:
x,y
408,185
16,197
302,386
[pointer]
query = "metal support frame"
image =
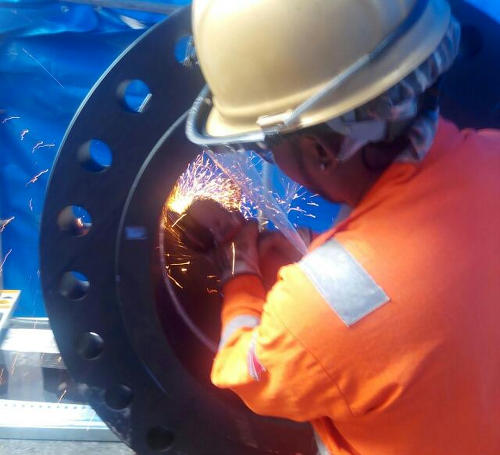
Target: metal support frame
x,y
30,346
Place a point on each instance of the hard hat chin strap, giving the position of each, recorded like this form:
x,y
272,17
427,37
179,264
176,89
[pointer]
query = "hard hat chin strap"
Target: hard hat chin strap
x,y
291,118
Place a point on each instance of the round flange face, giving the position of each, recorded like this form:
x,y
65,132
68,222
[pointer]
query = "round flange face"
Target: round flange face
x,y
111,311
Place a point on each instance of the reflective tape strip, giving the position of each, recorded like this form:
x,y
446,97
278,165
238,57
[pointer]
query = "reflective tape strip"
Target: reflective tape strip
x,y
255,368
239,322
322,450
345,285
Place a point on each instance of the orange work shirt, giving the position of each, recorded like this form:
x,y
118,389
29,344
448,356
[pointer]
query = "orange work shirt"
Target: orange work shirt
x,y
386,335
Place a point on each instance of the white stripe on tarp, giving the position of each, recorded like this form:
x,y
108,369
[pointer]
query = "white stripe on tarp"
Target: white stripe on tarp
x,y
238,322
344,284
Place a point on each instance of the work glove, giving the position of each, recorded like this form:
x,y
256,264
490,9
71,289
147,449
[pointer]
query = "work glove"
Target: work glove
x,y
276,251
239,255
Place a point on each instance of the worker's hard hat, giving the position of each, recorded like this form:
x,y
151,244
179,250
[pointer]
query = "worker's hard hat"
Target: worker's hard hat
x,y
275,65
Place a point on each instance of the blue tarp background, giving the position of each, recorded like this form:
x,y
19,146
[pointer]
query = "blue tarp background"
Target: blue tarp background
x,y
51,53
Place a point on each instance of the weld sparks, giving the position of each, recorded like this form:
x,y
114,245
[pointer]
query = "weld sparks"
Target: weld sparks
x,y
234,257
40,145
13,365
203,180
4,223
37,176
65,391
173,279
24,133
2,262
41,66
8,119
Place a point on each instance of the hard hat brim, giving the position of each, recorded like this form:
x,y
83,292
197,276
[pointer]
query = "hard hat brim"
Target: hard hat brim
x,y
378,76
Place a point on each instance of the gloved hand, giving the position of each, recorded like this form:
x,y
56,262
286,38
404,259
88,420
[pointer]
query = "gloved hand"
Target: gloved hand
x,y
275,251
239,255
206,224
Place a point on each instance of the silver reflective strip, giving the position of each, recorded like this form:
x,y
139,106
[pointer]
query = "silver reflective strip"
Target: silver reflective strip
x,y
345,285
244,320
322,450
255,368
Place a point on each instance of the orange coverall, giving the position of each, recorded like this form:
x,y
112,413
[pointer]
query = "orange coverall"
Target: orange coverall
x,y
386,335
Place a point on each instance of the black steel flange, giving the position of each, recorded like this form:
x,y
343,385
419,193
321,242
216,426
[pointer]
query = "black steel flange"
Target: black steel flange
x,y
140,367
113,314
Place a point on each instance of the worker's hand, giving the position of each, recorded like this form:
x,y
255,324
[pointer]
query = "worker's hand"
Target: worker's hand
x,y
206,217
275,251
239,255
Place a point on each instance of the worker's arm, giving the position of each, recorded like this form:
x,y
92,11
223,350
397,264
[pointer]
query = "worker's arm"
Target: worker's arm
x,y
263,362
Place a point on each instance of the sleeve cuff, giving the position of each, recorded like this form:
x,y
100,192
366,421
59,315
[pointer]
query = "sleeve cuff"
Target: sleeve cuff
x,y
243,294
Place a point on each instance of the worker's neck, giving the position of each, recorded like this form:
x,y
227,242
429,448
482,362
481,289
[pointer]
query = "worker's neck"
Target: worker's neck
x,y
357,180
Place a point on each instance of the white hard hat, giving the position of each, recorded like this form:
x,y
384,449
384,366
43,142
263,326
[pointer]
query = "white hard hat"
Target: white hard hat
x,y
276,65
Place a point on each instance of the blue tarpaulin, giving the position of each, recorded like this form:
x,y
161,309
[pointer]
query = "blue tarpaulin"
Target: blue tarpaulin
x,y
51,53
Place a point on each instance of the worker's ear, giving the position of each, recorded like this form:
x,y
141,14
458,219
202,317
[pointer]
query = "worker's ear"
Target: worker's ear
x,y
323,151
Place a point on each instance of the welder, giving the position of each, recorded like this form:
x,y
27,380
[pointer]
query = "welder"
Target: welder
x,y
385,334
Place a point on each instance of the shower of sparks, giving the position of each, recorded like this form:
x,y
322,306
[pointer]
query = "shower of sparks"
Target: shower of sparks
x,y
36,146
235,185
47,145
37,176
24,133
203,180
234,257
180,218
4,223
41,66
2,262
12,117
13,366
40,145
65,391
174,280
